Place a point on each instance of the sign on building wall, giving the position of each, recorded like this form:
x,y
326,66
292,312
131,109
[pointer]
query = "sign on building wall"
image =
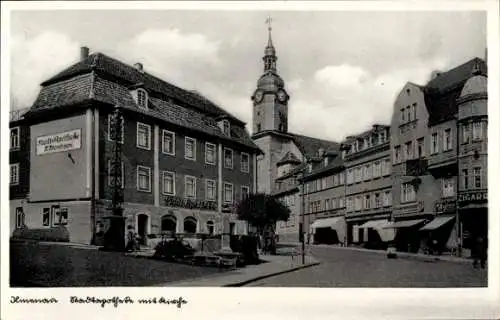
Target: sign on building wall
x,y
60,142
472,197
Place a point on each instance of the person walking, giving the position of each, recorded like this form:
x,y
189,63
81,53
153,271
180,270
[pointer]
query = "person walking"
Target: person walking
x,y
131,239
479,253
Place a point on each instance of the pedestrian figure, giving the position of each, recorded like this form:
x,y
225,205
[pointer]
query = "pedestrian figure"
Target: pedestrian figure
x,y
479,253
131,239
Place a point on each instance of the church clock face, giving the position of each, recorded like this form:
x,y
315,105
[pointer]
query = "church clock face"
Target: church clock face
x,y
258,96
281,96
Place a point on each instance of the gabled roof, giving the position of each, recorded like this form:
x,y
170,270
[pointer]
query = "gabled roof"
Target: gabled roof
x,y
102,63
309,146
337,164
289,157
73,86
442,92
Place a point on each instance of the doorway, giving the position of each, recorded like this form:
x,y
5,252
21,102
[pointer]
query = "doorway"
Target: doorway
x,y
142,228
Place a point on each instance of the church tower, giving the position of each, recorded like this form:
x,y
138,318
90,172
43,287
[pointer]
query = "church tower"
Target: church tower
x,y
270,100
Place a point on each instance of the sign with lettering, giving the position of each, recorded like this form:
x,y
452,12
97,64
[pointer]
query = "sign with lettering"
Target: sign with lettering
x,y
470,197
445,206
172,201
60,142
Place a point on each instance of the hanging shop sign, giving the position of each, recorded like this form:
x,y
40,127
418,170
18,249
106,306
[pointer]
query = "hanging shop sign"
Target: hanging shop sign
x,y
60,142
472,197
172,201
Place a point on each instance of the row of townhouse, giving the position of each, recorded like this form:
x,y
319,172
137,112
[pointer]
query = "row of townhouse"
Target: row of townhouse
x,y
183,157
421,178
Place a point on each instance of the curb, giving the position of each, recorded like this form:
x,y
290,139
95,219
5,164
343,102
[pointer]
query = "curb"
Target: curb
x,y
245,282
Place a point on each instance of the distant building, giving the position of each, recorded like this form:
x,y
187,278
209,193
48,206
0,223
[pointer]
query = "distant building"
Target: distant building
x,y
425,143
368,187
183,156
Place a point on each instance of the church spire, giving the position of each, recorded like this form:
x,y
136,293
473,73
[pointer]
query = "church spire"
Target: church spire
x,y
269,53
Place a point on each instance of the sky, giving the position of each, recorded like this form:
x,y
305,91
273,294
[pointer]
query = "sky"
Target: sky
x,y
341,69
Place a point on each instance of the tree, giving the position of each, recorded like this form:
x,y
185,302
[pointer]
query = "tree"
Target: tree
x,y
262,211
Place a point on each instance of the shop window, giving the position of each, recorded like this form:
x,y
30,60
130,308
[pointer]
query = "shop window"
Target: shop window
x,y
46,217
59,216
190,225
168,223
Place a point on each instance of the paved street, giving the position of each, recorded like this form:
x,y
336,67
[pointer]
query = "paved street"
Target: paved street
x,y
349,268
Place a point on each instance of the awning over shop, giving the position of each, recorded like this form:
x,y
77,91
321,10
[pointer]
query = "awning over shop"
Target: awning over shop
x,y
437,222
385,233
337,223
403,224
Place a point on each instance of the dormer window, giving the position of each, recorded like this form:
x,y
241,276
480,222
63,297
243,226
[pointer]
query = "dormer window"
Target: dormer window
x,y
142,98
226,129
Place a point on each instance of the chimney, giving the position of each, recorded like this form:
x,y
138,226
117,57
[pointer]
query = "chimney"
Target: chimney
x,y
138,66
84,53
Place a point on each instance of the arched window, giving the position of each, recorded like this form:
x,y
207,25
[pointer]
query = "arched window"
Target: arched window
x,y
168,223
142,98
210,227
190,225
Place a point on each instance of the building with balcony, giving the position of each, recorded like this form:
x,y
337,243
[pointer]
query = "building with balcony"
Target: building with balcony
x,y
425,147
368,187
183,157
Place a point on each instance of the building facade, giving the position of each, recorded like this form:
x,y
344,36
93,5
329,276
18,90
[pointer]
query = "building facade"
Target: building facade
x,y
426,144
183,157
368,187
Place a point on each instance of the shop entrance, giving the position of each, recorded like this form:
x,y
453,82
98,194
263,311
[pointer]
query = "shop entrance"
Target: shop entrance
x,y
142,228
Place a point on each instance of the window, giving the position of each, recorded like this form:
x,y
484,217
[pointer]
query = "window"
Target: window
x,y
409,150
14,138
408,112
341,202
245,191
14,174
211,189
420,147
407,193
387,201
367,202
386,167
228,192
327,204
397,154
168,183
477,177
111,130
335,179
434,143
341,178
359,174
349,203
414,111
477,130
143,136
46,217
168,142
447,140
190,187
209,153
226,129
323,183
143,179
466,133
376,169
403,115
19,217
367,172
358,203
142,98
318,185
333,202
465,175
111,174
60,216
378,202
382,136
448,187
190,148
350,178
245,162
228,158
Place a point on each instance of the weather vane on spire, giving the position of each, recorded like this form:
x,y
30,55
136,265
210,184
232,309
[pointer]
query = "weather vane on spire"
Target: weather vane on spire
x,y
268,21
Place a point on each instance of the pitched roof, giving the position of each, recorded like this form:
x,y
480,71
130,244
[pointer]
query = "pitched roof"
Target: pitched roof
x,y
336,163
289,157
442,92
72,86
309,146
126,73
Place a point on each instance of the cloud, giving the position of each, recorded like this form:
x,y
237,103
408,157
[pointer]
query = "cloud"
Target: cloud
x,y
34,60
